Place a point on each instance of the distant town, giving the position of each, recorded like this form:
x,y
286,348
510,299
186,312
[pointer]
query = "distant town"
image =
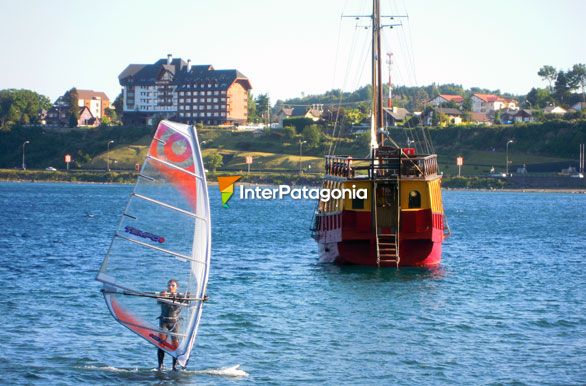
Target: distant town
x,y
176,89
540,133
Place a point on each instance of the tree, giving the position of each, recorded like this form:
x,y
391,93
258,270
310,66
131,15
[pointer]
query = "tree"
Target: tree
x,y
262,105
354,116
539,97
70,99
562,87
577,77
549,74
21,106
289,132
312,134
214,160
251,109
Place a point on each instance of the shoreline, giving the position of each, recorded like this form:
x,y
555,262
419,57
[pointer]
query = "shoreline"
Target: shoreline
x,y
215,183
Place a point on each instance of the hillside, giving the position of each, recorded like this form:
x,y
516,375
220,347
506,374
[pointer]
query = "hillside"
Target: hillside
x,y
544,147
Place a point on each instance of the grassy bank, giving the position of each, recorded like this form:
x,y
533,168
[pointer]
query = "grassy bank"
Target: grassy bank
x,y
306,179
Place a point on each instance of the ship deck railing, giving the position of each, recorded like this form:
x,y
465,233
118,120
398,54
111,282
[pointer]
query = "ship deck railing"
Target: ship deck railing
x,y
400,166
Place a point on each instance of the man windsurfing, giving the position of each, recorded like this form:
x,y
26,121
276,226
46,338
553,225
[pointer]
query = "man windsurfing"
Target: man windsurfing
x,y
170,302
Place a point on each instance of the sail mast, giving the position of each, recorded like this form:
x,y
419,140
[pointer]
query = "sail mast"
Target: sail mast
x,y
377,86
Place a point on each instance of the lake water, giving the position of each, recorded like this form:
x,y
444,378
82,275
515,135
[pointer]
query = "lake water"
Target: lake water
x,y
507,305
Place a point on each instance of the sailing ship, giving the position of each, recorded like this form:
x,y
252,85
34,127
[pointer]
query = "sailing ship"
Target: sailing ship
x,y
164,234
401,222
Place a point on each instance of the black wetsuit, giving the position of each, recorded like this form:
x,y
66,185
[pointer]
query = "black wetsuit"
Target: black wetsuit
x,y
169,320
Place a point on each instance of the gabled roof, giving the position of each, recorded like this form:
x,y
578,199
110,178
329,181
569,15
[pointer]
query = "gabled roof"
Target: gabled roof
x,y
452,98
449,111
524,113
558,109
398,113
146,74
493,98
91,94
487,97
479,117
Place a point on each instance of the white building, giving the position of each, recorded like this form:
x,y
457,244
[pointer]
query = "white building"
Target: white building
x,y
485,103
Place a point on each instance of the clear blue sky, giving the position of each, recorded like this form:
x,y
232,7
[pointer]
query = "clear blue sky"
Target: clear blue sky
x,y
288,47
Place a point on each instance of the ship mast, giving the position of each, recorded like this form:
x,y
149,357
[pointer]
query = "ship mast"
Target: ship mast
x,y
377,85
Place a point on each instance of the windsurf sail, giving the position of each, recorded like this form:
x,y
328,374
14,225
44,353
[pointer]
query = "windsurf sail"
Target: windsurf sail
x,y
164,233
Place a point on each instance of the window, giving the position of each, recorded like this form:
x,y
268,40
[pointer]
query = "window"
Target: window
x,y
181,93
188,93
215,100
357,203
414,199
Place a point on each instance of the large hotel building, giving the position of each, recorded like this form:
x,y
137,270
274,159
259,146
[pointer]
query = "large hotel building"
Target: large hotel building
x,y
175,89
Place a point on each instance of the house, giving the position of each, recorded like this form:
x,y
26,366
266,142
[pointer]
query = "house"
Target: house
x,y
96,101
485,103
507,117
580,106
174,88
480,118
315,112
86,118
59,115
524,115
554,110
290,112
454,115
396,115
446,98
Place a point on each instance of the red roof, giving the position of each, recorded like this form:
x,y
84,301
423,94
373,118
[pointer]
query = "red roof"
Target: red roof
x,y
452,98
479,117
487,97
91,94
493,98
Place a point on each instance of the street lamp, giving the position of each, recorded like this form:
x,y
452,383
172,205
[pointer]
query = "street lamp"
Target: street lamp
x,y
507,166
108,156
23,155
530,105
300,153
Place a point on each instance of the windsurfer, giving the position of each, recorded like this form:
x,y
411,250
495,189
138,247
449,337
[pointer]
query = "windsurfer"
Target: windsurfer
x,y
169,318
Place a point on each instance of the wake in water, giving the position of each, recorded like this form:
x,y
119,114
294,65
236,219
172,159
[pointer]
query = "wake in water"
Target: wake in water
x,y
231,372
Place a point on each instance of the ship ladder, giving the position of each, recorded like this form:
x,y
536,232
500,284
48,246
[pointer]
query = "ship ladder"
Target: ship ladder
x,y
387,249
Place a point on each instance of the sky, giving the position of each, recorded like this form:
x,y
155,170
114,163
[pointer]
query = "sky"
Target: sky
x,y
289,48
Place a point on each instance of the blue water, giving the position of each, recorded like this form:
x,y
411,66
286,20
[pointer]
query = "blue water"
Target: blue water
x,y
507,305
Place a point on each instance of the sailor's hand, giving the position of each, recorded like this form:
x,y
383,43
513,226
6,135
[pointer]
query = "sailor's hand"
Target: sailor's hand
x,y
205,298
164,293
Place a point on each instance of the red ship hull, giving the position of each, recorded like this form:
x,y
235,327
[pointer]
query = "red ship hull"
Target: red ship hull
x,y
414,253
420,239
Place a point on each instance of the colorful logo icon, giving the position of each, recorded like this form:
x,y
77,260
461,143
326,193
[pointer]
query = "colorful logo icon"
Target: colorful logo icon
x,y
226,185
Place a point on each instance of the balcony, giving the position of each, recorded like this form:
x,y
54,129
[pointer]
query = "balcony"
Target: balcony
x,y
385,166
